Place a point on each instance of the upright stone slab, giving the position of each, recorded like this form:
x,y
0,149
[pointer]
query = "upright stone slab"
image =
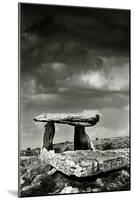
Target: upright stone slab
x,y
81,139
48,136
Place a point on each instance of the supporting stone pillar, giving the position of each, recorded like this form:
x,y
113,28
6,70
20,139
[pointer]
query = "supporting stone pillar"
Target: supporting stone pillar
x,y
48,136
81,139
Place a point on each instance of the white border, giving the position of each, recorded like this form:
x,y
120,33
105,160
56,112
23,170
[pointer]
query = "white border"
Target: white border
x,y
9,93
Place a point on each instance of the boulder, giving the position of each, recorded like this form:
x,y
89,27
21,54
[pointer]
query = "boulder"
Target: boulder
x,y
89,189
83,163
69,190
99,182
96,190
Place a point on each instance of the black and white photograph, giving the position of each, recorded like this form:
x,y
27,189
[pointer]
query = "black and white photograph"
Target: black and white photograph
x,y
74,100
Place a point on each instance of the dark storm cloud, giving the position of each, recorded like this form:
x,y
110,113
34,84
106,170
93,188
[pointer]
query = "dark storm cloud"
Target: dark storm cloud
x,y
62,34
96,25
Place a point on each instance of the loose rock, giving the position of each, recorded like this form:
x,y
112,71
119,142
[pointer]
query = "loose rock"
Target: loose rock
x,y
96,190
99,182
89,189
69,189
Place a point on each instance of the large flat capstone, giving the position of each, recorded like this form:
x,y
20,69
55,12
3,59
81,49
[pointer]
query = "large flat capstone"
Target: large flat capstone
x,y
86,118
83,163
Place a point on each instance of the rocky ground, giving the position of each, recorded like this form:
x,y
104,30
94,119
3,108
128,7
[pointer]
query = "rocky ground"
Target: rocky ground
x,y
100,144
37,178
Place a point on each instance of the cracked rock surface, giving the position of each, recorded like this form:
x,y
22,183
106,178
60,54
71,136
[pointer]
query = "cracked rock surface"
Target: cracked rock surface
x,y
83,163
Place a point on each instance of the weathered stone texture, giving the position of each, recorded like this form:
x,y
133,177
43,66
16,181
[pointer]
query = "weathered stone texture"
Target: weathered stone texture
x,y
89,118
83,163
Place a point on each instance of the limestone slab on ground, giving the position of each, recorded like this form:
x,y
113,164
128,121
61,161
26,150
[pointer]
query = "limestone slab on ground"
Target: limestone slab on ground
x,y
83,163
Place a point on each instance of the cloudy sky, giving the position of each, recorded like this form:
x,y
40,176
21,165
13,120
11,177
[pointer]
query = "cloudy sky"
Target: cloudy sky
x,y
74,59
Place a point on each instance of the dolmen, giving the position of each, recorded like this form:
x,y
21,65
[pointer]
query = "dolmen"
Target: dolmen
x,y
85,160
